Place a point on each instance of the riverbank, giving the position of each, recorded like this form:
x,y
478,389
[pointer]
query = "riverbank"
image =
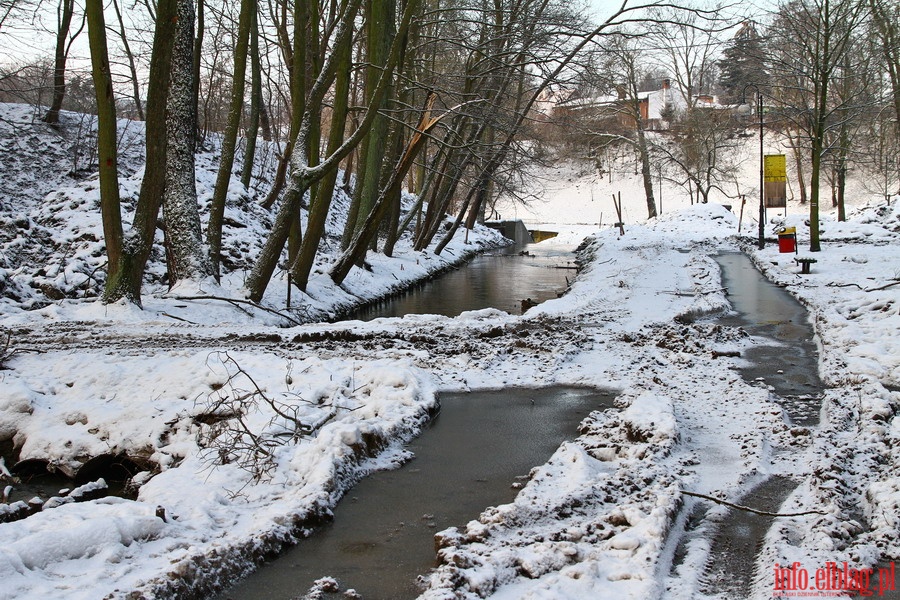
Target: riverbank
x,y
592,521
53,255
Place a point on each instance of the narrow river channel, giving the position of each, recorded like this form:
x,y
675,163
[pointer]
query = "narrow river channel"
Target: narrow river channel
x,y
382,536
500,279
786,362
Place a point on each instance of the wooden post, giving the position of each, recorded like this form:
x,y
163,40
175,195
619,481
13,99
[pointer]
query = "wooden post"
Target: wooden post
x,y
288,302
618,205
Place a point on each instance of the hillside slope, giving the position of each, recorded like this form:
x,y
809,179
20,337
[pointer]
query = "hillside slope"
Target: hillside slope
x,y
51,242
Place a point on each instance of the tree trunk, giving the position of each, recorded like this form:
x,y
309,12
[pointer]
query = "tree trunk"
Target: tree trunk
x,y
295,58
198,54
318,212
180,210
137,246
817,143
392,218
255,100
380,34
646,173
357,249
886,25
841,190
798,161
132,68
396,144
65,12
229,139
106,138
303,175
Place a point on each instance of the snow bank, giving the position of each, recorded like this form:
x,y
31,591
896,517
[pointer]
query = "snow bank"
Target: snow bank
x,y
591,522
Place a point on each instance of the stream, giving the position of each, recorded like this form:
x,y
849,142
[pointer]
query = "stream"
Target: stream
x,y
502,279
786,363
472,456
382,534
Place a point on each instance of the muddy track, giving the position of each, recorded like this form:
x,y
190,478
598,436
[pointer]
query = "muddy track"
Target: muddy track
x,y
481,339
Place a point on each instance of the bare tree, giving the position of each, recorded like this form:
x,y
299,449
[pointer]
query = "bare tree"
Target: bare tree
x,y
886,26
690,43
64,13
304,172
106,134
380,24
318,211
809,40
256,99
229,138
623,118
125,279
132,66
702,151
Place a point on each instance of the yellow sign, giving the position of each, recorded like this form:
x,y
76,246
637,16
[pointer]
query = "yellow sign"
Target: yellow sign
x,y
775,168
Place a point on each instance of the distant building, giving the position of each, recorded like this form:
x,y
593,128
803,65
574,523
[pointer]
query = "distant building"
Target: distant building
x,y
657,108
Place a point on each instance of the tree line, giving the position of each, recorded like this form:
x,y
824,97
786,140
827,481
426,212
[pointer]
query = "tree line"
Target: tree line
x,y
439,97
823,73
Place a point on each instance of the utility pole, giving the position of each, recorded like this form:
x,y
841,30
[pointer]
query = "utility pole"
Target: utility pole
x,y
762,186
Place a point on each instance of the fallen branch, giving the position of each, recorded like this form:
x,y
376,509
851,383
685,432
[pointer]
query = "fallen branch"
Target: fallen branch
x,y
856,285
884,287
6,353
695,293
751,510
165,314
236,301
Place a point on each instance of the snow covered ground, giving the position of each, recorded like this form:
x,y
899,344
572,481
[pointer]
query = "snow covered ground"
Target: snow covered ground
x,y
297,414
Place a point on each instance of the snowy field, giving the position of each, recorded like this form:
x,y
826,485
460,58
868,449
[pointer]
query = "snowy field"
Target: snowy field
x,y
298,414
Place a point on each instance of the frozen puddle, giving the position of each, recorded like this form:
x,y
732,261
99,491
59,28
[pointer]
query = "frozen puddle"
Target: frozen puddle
x,y
382,536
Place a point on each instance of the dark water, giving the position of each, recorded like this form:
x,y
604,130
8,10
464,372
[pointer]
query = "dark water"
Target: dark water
x,y
790,363
740,537
502,279
382,536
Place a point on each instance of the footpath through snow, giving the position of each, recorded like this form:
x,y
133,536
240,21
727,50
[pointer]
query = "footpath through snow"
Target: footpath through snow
x,y
299,414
